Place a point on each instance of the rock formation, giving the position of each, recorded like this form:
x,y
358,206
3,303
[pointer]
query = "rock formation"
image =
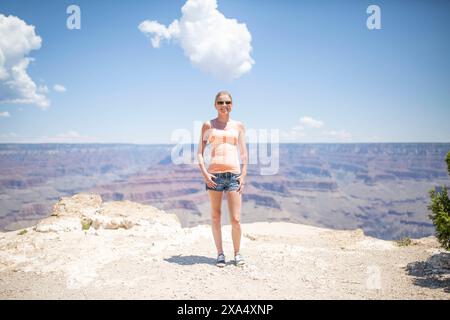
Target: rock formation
x,y
90,249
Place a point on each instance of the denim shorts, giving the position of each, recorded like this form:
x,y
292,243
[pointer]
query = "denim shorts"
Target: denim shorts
x,y
226,181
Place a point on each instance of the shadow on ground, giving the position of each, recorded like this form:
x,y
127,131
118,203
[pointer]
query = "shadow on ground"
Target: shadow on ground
x,y
191,260
433,273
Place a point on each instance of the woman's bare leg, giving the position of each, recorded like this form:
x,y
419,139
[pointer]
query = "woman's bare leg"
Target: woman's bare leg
x,y
215,198
234,208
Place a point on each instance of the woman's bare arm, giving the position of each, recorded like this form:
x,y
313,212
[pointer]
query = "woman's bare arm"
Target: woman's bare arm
x,y
208,177
201,148
244,156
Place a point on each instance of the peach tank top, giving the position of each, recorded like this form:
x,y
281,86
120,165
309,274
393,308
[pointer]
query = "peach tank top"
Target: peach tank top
x,y
224,152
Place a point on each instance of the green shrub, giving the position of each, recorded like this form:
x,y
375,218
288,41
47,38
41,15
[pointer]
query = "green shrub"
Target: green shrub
x,y
447,159
85,225
440,208
406,241
21,233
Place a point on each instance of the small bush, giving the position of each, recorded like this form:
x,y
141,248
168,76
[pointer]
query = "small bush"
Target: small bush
x,y
85,225
406,241
447,159
21,233
440,208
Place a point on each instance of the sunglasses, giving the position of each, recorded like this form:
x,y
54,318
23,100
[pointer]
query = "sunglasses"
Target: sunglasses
x,y
223,102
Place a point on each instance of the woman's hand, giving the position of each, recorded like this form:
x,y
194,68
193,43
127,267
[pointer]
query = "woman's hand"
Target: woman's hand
x,y
241,179
209,180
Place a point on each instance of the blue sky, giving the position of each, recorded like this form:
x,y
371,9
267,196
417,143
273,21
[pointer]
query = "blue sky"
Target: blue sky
x,y
319,74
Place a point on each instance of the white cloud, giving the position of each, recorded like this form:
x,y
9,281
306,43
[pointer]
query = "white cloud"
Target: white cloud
x,y
310,122
17,39
298,132
291,136
70,136
215,44
59,88
43,89
4,114
341,134
304,132
10,134
8,137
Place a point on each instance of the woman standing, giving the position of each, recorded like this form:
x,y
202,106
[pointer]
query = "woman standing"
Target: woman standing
x,y
223,174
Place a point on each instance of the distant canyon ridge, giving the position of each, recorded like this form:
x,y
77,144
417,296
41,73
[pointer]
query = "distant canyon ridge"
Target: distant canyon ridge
x,y
381,188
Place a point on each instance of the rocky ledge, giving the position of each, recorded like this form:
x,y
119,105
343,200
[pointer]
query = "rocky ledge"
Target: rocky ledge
x,y
89,249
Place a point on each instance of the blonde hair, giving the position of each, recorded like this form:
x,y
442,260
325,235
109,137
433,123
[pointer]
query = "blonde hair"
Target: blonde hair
x,y
222,93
